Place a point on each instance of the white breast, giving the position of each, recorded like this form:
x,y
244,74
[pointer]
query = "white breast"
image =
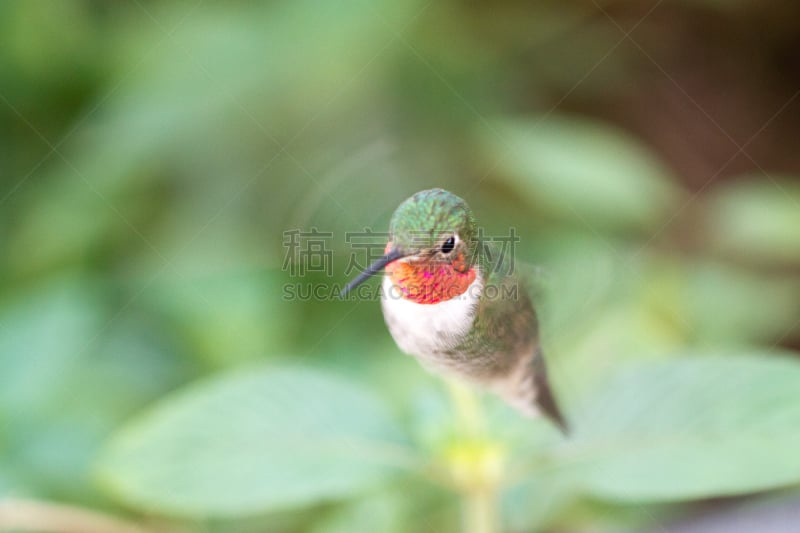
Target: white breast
x,y
423,330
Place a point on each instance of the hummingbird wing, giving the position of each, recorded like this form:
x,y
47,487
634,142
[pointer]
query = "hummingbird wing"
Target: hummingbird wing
x,y
507,330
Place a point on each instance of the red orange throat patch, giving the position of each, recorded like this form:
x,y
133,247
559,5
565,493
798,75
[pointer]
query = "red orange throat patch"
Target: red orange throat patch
x,y
430,282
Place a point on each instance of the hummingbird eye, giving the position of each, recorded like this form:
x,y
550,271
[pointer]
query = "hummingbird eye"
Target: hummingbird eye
x,y
449,244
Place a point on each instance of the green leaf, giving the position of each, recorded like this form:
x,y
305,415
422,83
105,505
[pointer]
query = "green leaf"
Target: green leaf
x,y
758,219
376,512
690,428
715,302
529,505
583,170
231,318
254,441
43,335
60,351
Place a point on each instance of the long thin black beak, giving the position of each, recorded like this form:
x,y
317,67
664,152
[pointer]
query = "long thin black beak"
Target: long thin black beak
x,y
374,268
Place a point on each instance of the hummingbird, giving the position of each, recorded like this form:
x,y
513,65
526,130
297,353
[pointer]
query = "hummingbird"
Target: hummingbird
x,y
460,314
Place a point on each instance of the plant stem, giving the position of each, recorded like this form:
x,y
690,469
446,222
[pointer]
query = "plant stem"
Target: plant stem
x,y
479,511
30,515
479,492
468,409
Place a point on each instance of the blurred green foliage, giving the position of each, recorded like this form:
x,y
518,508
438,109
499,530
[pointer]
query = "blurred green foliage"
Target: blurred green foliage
x,y
153,153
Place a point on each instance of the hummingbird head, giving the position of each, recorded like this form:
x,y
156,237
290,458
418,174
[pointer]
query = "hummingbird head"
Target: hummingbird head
x,y
431,248
432,224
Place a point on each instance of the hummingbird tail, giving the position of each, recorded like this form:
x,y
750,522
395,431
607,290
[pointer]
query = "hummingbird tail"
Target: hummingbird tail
x,y
529,391
544,399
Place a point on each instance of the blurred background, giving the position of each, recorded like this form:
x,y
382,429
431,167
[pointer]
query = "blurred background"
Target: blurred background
x,y
154,155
